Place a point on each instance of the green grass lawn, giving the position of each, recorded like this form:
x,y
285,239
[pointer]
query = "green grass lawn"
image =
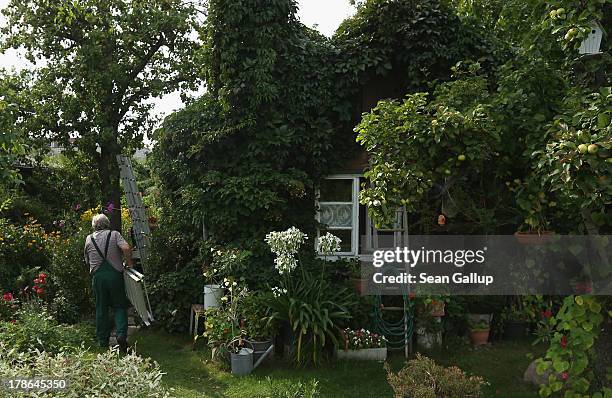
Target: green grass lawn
x,y
192,374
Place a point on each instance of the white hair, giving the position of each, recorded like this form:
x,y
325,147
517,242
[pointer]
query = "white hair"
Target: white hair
x,y
100,222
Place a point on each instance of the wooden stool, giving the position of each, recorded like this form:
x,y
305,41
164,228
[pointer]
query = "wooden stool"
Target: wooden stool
x,y
197,311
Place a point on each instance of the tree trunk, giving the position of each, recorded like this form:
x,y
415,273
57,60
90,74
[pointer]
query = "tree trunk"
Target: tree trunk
x,y
110,184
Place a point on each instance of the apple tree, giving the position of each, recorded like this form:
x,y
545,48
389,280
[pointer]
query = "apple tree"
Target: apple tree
x,y
98,62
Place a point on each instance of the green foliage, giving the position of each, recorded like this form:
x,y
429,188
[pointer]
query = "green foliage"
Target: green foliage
x,y
24,252
315,311
245,158
36,329
88,373
576,160
452,138
253,313
12,140
417,42
423,378
577,325
172,294
70,292
103,60
174,274
219,327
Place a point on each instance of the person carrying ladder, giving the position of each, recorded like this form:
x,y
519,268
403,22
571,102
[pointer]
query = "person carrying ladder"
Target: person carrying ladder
x,y
103,252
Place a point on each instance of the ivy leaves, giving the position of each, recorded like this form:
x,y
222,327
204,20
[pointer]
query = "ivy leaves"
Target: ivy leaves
x,y
417,143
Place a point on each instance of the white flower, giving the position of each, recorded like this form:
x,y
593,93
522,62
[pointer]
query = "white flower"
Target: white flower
x,y
285,245
224,298
285,264
286,242
328,244
277,291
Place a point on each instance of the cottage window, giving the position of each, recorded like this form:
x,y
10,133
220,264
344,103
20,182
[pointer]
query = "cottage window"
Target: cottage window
x,y
338,211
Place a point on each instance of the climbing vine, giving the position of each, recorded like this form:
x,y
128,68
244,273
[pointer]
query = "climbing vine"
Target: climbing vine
x,y
281,104
569,358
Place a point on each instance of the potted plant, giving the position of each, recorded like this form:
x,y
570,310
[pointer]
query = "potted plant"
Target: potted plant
x,y
534,205
363,344
428,331
479,332
431,305
254,323
225,262
518,315
223,322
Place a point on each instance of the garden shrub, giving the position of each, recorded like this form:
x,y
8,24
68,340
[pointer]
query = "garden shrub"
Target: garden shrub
x,y
28,249
423,378
70,291
23,253
34,328
172,294
88,374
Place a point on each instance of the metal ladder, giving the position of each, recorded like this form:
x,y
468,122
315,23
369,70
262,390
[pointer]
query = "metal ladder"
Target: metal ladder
x,y
404,329
135,287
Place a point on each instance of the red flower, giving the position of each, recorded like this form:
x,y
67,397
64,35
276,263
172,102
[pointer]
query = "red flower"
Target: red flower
x,y
13,321
410,295
7,296
563,341
42,276
564,376
546,314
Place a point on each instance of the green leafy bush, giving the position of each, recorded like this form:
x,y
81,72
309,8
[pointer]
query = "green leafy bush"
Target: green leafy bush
x,y
70,291
88,375
34,328
172,294
316,311
423,378
253,312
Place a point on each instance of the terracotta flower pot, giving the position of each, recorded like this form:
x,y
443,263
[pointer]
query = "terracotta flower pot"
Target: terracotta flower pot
x,y
437,308
532,238
479,337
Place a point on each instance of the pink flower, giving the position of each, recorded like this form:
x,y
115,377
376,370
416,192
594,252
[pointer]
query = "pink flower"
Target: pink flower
x,y
77,207
110,206
564,376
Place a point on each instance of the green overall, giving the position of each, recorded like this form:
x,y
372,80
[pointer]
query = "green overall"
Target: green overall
x,y
109,291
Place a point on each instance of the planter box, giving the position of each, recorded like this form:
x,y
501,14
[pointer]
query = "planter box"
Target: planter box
x,y
366,354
